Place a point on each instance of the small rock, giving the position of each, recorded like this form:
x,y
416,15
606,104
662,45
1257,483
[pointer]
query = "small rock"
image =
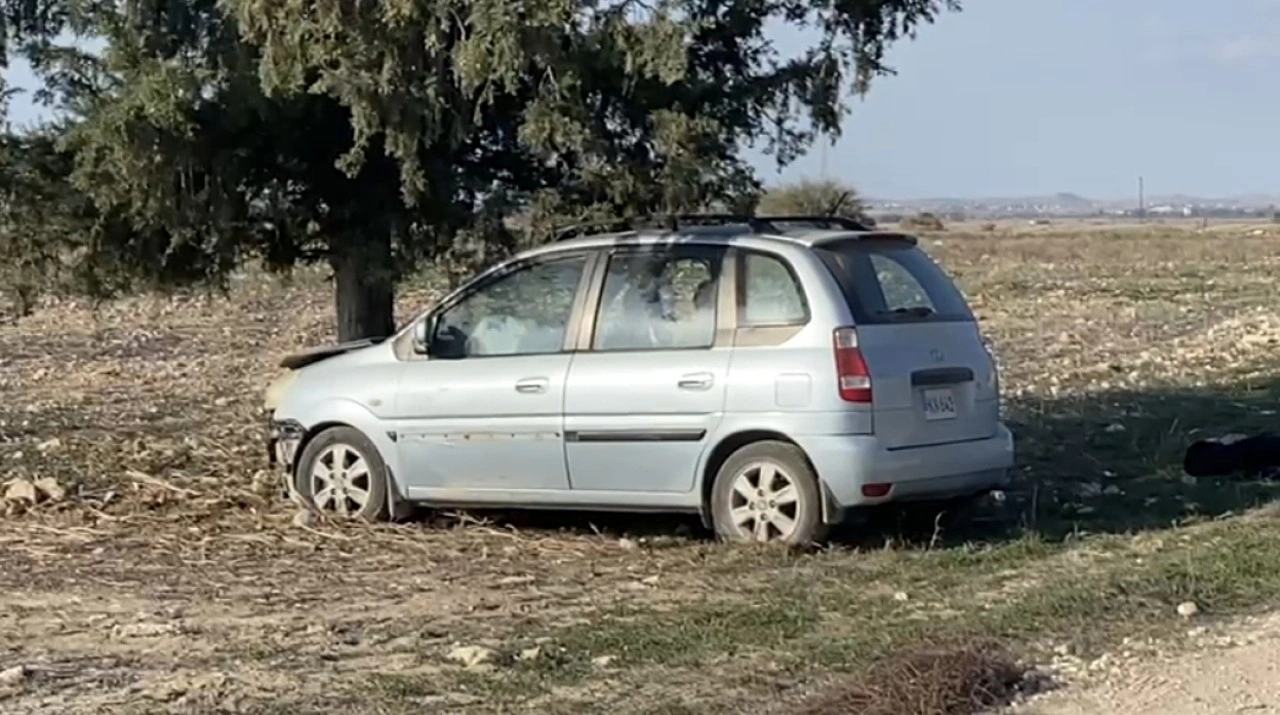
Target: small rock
x,y
650,580
626,544
472,656
901,596
515,580
16,456
49,445
16,675
603,661
304,517
1188,480
1115,427
529,654
402,643
1112,491
143,630
1188,609
20,490
50,488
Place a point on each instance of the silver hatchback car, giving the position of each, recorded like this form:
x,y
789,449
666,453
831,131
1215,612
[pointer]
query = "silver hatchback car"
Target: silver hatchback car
x,y
767,373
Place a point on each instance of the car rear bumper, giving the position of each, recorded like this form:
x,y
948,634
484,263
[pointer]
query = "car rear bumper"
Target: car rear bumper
x,y
857,470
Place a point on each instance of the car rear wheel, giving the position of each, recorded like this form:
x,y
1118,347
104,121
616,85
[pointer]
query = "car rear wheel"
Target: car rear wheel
x,y
342,475
767,492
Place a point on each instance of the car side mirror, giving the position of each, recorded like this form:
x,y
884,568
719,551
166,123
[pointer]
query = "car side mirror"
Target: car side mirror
x,y
422,336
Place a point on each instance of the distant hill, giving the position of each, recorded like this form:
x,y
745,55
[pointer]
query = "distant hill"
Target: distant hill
x,y
1072,202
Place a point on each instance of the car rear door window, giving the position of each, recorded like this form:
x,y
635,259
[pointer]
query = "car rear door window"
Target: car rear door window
x,y
659,300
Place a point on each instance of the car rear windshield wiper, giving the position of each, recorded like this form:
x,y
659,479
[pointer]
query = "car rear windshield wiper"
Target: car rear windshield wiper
x,y
917,311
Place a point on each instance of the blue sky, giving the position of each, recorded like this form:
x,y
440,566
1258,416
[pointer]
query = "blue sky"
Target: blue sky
x,y
1018,97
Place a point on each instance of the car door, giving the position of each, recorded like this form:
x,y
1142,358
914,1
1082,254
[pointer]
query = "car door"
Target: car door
x,y
483,410
647,387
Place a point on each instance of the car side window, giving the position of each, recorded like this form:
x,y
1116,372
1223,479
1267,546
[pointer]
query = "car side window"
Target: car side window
x,y
769,293
659,301
523,313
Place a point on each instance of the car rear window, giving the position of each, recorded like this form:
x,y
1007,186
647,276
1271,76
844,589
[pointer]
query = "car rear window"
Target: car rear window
x,y
892,281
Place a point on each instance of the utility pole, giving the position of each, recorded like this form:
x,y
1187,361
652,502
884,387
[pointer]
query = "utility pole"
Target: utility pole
x,y
1142,202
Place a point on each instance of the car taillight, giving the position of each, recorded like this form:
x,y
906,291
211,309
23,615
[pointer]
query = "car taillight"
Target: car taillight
x,y
851,369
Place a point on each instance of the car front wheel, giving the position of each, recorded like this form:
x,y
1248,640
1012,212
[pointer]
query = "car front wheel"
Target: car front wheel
x,y
767,492
342,475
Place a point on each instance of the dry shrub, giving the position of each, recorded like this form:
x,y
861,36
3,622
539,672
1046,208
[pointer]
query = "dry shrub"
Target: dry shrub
x,y
940,680
923,222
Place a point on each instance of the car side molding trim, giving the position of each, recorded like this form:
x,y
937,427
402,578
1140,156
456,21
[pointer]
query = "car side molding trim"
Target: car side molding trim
x,y
668,435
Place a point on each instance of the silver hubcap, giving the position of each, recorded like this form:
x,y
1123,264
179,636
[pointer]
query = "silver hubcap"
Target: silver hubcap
x,y
340,480
764,504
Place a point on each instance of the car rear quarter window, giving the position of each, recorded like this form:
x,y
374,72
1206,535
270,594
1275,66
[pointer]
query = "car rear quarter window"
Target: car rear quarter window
x,y
893,281
768,292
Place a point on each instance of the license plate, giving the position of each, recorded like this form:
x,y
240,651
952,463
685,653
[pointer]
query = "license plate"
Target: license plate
x,y
939,405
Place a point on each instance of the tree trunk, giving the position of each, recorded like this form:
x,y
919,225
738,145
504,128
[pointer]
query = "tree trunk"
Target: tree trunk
x,y
364,288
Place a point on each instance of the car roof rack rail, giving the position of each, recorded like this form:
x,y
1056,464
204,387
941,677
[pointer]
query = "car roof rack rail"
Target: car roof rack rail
x,y
842,223
674,222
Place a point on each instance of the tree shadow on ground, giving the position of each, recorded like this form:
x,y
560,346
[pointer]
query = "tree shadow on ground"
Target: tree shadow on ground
x,y
1103,462
1111,462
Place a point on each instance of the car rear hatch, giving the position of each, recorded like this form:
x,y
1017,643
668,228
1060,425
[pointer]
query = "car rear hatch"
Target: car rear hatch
x,y
928,376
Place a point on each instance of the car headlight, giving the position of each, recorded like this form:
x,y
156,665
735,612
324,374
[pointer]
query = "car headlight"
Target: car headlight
x,y
275,391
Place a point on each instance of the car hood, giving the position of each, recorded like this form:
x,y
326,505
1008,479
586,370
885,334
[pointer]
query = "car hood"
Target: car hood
x,y
314,355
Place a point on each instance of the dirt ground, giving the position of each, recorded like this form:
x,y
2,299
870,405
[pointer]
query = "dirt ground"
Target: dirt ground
x,y
1238,674
234,620
159,572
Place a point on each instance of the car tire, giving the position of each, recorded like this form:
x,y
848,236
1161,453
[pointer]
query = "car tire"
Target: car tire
x,y
767,491
341,474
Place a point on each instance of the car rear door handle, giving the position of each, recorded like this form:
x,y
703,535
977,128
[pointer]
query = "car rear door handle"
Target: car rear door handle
x,y
696,381
933,377
532,385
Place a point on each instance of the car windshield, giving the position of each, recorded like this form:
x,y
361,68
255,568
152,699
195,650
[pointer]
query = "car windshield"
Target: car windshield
x,y
889,280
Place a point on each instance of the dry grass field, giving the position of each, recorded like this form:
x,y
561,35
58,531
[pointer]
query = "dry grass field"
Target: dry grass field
x,y
168,578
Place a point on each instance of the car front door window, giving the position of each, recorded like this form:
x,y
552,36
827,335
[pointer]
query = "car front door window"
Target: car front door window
x,y
523,313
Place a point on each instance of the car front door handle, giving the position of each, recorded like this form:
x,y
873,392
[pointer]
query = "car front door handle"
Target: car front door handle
x,y
532,385
696,381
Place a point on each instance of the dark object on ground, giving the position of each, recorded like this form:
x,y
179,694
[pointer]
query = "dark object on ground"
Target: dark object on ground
x,y
943,680
1254,456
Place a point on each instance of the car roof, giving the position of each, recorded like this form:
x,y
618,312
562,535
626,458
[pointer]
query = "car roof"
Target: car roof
x,y
738,235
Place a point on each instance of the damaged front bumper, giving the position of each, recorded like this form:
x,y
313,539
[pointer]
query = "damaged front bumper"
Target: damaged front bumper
x,y
283,439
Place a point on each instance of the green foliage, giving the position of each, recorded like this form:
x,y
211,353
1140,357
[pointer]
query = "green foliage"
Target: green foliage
x,y
813,198
376,135
46,226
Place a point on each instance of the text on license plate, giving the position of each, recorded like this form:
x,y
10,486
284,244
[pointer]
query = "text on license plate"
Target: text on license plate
x,y
939,404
